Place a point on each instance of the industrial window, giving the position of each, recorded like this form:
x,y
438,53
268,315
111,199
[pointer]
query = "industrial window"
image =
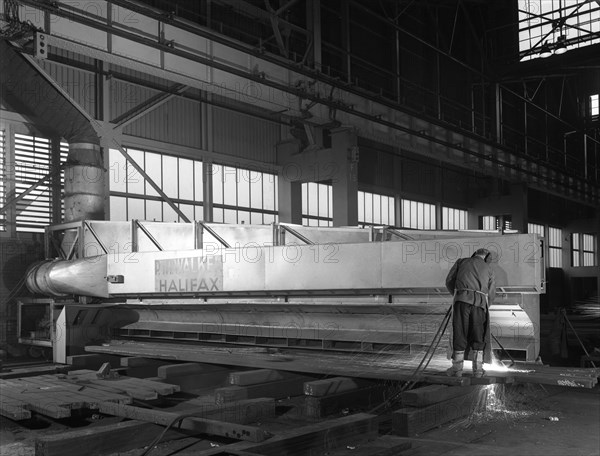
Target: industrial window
x,y
594,105
244,196
489,223
317,204
554,247
64,153
32,162
454,219
375,209
497,223
557,26
534,228
583,249
2,182
131,197
418,215
576,250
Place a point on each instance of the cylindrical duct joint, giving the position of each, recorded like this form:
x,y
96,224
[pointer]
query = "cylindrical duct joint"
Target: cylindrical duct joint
x,y
85,193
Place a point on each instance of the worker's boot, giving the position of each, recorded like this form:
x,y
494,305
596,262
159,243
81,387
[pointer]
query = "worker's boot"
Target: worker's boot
x,y
458,358
478,363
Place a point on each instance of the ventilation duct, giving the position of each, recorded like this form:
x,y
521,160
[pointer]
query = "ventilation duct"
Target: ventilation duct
x,y
24,90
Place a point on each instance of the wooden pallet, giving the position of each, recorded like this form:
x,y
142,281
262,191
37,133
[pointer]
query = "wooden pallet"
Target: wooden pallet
x,y
57,396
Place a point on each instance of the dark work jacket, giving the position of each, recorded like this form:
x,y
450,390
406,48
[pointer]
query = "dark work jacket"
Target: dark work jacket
x,y
472,279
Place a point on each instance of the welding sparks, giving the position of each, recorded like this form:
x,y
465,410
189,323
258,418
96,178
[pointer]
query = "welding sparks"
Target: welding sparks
x,y
498,402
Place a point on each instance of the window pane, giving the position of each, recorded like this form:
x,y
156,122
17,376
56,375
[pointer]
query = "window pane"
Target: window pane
x,y
304,187
154,210
170,176
118,171
555,235
243,190
135,180
377,209
135,209
229,186
534,228
244,217
118,208
154,170
188,211
217,176
256,218
32,162
198,182
323,200
230,216
186,180
218,215
169,214
269,188
256,186
313,199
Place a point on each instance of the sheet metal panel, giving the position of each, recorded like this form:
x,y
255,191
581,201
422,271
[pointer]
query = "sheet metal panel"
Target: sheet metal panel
x,y
328,235
244,136
144,272
325,267
126,96
411,266
243,236
517,261
115,236
177,121
170,236
79,84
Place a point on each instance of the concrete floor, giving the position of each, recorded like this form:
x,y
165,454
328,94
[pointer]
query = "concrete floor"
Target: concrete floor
x,y
523,426
519,425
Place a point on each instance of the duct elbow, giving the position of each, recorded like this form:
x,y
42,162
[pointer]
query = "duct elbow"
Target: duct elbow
x,y
60,278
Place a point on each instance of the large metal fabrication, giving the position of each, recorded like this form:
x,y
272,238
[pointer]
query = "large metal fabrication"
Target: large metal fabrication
x,y
367,290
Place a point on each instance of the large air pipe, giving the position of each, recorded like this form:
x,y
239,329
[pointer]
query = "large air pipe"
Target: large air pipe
x,y
26,90
84,183
60,278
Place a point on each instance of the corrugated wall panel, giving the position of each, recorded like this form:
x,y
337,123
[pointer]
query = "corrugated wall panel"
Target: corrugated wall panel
x,y
244,136
79,84
125,96
177,121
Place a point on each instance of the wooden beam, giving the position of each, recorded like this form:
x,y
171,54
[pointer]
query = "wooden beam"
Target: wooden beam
x,y
320,437
364,398
93,361
334,385
432,394
279,389
409,421
256,376
192,424
241,412
194,376
97,440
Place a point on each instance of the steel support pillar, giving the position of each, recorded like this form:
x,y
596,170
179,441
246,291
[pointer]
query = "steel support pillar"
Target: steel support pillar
x,y
289,186
345,183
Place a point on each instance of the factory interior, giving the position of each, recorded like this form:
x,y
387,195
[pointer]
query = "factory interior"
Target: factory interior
x,y
229,227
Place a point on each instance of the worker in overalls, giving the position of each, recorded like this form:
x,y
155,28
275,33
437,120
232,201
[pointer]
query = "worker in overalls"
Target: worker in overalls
x,y
472,282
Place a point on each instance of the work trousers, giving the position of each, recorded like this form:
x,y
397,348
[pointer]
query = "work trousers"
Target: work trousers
x,y
468,325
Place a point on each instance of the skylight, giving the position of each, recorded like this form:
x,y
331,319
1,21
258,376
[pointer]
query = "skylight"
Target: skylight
x,y
548,27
